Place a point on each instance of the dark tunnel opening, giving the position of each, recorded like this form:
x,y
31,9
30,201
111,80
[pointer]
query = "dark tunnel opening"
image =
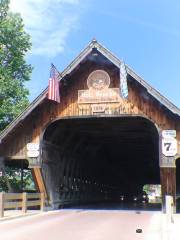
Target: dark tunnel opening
x,y
99,160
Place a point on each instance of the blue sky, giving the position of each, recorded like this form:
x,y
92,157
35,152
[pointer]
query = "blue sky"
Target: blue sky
x,y
146,34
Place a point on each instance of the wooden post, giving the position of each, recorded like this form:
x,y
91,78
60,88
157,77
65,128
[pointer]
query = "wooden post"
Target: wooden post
x,y
168,185
38,178
1,204
24,202
169,209
42,201
22,172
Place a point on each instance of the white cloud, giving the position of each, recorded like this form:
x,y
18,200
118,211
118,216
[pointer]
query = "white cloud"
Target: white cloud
x,y
49,22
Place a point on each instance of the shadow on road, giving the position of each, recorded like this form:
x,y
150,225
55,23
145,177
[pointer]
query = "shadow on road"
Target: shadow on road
x,y
116,206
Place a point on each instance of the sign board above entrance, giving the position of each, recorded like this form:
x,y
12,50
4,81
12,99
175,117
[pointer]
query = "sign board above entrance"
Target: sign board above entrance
x,y
98,108
96,96
169,133
99,92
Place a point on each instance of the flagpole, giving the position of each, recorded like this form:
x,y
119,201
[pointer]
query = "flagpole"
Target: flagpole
x,y
59,74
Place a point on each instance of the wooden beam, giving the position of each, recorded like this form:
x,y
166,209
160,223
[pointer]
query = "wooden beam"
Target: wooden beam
x,y
16,157
39,182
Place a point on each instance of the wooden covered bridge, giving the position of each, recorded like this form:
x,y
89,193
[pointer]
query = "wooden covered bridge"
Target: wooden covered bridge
x,y
96,145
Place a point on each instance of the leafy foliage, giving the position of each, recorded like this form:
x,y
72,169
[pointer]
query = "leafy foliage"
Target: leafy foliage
x,y
3,184
11,180
14,71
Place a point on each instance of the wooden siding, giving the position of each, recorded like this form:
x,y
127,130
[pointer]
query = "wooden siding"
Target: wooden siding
x,y
168,184
139,103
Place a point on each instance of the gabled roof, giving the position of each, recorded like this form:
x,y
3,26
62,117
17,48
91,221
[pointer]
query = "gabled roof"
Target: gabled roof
x,y
116,61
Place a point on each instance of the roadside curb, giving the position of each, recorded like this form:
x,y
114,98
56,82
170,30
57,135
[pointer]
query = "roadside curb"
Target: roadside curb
x,y
18,216
30,214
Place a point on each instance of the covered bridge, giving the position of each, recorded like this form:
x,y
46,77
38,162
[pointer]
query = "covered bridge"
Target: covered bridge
x,y
95,144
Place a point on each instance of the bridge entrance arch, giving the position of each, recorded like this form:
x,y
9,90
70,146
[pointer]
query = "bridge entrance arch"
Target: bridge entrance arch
x,y
100,160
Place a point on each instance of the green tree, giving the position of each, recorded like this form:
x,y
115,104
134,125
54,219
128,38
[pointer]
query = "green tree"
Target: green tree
x,y
14,71
11,180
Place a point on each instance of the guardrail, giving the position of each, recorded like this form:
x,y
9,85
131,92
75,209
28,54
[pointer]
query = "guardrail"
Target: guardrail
x,y
20,200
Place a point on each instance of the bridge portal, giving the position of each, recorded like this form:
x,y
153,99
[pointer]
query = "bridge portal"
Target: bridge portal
x,y
111,134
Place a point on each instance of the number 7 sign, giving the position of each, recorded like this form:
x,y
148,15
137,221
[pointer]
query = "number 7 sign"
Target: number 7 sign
x,y
169,147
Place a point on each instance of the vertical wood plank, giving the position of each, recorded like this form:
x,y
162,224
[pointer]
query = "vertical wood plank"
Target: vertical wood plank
x,y
24,202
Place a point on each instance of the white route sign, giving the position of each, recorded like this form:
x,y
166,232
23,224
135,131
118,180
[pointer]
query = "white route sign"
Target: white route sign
x,y
33,146
169,147
32,154
169,133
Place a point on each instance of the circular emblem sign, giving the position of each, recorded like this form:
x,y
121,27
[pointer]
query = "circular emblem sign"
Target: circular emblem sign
x,y
98,80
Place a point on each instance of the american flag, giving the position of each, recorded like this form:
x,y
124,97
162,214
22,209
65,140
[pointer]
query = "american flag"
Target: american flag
x,y
53,89
123,81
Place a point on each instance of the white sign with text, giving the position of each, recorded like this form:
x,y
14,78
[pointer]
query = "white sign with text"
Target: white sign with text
x,y
169,147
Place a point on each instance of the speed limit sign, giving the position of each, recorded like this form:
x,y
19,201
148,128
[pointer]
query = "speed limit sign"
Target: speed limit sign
x,y
169,147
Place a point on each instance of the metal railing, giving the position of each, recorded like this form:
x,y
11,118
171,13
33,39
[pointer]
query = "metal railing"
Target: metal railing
x,y
20,200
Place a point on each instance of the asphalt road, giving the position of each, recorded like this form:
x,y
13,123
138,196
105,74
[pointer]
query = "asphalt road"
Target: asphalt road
x,y
84,225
